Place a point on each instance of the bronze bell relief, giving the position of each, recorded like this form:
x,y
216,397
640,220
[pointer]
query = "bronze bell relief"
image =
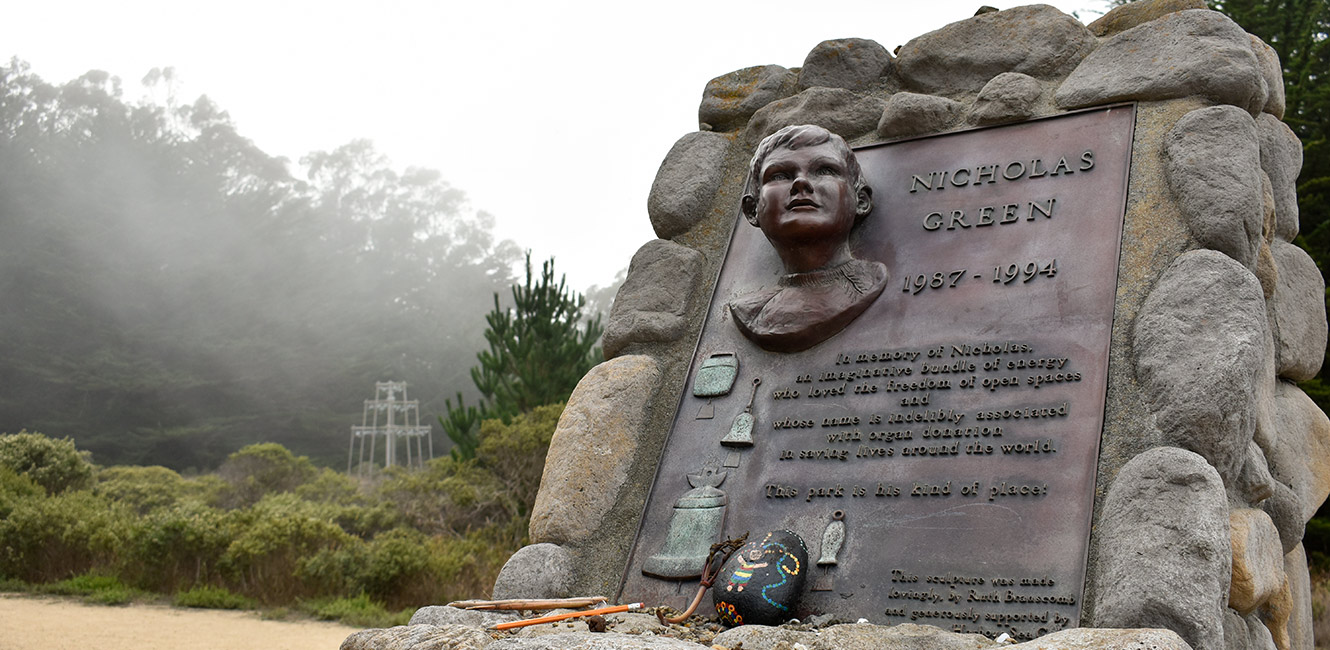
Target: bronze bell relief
x,y
695,525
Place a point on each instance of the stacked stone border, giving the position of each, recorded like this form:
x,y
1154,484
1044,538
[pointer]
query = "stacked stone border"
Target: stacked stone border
x,y
1212,459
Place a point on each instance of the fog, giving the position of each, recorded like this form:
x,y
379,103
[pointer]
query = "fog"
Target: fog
x,y
173,293
174,290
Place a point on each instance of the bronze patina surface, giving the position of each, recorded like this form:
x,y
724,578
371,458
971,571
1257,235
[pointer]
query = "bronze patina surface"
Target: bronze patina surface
x,y
953,426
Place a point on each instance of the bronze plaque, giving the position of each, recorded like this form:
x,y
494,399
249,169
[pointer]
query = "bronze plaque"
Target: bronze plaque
x,y
938,454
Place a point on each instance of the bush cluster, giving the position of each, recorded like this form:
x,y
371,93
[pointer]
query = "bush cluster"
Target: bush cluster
x,y
269,528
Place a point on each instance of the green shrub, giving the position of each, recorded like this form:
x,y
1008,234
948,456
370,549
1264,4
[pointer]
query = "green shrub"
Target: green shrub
x,y
360,611
339,498
367,521
335,570
52,538
404,569
277,534
207,488
179,545
271,529
275,614
53,464
143,489
330,486
208,597
92,587
449,497
13,584
15,487
515,453
121,595
261,469
466,567
394,560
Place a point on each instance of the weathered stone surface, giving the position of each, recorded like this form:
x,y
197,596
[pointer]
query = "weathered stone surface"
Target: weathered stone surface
x,y
593,641
1265,260
1255,484
1276,614
633,623
1300,590
1163,552
761,583
592,449
1007,97
443,616
1281,158
1297,313
686,183
360,640
1300,457
1266,273
843,112
654,298
910,114
1258,635
1214,171
1267,207
1037,40
1100,639
419,637
852,63
1235,631
536,571
1268,60
852,636
562,627
1131,14
1192,52
730,99
1201,342
1285,509
1258,559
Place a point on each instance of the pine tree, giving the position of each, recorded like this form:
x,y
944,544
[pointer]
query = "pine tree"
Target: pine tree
x,y
538,351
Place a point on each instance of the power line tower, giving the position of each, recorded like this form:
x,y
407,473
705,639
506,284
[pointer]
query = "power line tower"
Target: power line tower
x,y
393,418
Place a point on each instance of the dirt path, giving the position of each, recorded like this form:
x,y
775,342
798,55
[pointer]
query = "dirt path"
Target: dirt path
x,y
35,623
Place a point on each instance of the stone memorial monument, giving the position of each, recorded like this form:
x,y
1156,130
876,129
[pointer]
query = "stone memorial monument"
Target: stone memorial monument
x,y
1013,346
939,422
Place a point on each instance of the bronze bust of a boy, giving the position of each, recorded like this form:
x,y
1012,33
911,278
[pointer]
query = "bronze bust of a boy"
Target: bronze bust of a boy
x,y
806,192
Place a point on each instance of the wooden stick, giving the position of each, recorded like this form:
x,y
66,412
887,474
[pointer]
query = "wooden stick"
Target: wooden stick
x,y
525,603
566,615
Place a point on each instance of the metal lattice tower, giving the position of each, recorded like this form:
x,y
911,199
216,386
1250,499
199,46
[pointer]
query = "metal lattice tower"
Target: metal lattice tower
x,y
392,417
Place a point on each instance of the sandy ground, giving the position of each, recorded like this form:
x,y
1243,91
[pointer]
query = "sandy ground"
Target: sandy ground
x,y
37,623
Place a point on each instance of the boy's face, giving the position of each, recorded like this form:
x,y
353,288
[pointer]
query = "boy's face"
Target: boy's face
x,y
805,195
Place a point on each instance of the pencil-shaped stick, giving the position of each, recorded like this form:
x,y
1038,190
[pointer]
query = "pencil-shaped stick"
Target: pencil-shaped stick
x,y
566,615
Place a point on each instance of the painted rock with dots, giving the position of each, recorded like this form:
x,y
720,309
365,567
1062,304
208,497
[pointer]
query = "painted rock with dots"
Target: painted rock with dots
x,y
761,583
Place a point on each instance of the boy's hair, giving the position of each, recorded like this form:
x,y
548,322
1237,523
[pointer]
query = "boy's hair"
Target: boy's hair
x,y
794,137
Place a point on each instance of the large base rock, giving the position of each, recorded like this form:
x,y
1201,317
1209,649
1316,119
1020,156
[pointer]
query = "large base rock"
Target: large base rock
x,y
1036,40
1199,370
1164,557
1214,167
536,571
592,449
1195,52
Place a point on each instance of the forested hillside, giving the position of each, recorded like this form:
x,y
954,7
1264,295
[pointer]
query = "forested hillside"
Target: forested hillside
x,y
172,293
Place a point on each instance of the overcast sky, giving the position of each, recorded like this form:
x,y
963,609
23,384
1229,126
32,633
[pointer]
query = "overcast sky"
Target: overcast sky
x,y
552,116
